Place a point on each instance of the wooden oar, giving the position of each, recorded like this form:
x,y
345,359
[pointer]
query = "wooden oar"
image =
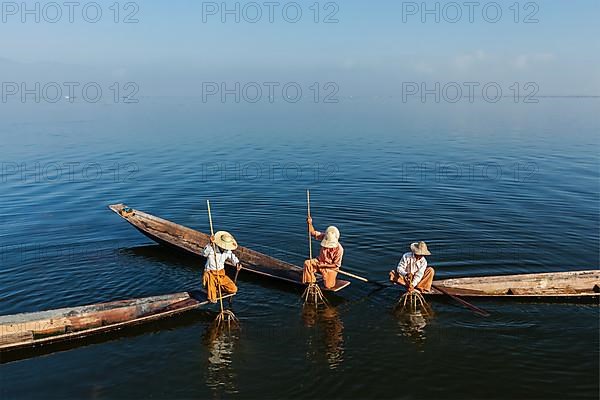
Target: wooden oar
x,y
360,278
463,302
237,272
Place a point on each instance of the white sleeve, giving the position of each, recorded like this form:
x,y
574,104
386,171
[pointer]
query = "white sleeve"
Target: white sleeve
x,y
419,274
208,250
233,258
401,268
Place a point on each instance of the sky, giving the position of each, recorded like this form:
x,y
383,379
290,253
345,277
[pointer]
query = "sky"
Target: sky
x,y
367,48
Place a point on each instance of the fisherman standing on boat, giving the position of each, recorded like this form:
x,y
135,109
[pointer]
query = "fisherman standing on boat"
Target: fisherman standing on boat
x,y
330,257
412,271
214,272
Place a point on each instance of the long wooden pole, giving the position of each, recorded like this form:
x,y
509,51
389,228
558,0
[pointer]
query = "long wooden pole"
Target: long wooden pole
x,y
463,302
212,234
309,236
237,271
360,278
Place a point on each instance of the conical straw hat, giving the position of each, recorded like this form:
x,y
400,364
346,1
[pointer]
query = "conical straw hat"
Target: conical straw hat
x,y
225,240
420,249
332,235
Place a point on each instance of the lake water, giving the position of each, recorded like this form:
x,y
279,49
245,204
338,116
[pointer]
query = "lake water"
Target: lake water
x,y
493,188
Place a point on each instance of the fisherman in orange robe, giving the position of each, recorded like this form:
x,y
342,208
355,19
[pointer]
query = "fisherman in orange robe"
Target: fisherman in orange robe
x,y
214,272
330,257
412,271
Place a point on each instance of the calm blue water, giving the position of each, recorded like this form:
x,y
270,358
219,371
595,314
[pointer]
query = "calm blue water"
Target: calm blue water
x,y
493,189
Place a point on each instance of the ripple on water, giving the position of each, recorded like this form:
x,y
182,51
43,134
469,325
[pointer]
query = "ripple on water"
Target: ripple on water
x,y
62,247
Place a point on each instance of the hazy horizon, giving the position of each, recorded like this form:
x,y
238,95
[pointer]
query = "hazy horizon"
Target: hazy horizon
x,y
372,49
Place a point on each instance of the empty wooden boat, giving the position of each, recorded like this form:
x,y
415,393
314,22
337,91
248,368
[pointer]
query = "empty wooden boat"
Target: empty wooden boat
x,y
191,241
41,328
572,285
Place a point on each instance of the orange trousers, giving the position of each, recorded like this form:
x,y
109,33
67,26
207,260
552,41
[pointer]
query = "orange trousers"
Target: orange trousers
x,y
312,266
423,286
211,280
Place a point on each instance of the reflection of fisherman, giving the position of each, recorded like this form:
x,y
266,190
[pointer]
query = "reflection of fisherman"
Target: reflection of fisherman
x,y
333,331
413,325
220,358
219,345
214,272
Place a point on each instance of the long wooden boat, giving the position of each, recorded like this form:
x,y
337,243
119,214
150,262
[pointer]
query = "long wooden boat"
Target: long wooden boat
x,y
35,329
191,241
572,285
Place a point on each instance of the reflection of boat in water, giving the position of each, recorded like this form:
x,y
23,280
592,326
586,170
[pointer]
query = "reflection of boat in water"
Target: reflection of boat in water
x,y
220,375
328,321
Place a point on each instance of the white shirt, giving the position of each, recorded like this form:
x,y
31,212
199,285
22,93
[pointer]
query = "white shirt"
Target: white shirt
x,y
209,253
410,265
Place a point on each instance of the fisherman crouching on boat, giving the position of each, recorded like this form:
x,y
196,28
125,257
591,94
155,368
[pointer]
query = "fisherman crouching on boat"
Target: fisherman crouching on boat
x,y
330,257
214,272
412,271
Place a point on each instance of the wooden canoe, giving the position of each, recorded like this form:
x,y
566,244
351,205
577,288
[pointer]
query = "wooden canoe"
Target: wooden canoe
x,y
576,285
191,241
36,329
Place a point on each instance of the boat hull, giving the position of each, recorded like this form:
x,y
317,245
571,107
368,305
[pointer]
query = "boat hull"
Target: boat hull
x,y
182,238
37,329
581,286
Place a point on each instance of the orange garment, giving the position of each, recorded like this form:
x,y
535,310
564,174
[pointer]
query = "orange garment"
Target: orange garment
x,y
312,266
423,286
326,256
211,280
